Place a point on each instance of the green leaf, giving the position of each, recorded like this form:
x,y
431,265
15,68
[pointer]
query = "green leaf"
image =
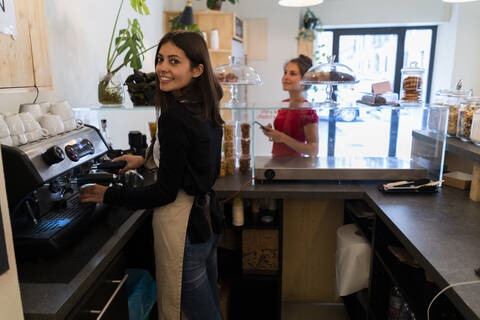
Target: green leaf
x,y
140,6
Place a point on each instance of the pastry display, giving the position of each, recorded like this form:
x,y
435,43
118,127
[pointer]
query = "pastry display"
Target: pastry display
x,y
322,76
244,165
230,166
228,149
245,127
228,132
245,146
465,117
412,83
412,87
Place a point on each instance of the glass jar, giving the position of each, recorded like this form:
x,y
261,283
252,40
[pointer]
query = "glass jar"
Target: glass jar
x,y
110,89
412,83
453,102
475,132
435,115
441,97
465,117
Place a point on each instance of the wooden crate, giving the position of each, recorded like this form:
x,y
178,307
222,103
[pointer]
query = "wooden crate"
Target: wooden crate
x,y
260,251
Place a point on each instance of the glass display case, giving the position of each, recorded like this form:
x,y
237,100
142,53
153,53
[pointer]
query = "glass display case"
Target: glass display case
x,y
381,143
329,74
234,75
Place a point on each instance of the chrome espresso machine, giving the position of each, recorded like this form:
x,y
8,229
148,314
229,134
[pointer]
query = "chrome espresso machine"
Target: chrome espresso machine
x,y
43,180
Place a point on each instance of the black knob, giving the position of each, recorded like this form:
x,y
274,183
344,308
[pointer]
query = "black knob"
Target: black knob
x,y
53,155
269,174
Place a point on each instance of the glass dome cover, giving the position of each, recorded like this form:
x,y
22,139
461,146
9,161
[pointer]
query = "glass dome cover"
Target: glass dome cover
x,y
329,73
236,73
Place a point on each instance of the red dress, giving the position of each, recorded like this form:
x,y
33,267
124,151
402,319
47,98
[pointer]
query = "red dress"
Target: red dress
x,y
291,122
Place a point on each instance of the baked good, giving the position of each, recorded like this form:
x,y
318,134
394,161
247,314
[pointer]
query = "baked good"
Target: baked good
x,y
328,76
231,77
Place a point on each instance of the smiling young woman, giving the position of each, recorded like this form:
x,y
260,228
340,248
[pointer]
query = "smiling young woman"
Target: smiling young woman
x,y
187,218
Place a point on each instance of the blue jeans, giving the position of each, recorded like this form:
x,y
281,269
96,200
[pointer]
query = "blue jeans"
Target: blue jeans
x,y
199,281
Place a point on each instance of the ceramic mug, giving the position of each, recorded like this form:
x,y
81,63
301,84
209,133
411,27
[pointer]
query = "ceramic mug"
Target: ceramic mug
x,y
36,135
72,124
6,141
4,130
29,122
53,123
45,107
33,108
15,124
63,109
19,139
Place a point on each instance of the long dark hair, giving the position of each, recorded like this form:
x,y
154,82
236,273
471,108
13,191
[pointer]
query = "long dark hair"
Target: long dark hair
x,y
205,88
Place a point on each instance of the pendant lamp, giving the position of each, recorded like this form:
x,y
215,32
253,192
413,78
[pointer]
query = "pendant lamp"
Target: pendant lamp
x,y
187,15
299,3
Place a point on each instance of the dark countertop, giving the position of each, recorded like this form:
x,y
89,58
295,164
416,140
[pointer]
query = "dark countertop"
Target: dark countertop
x,y
441,230
227,186
54,300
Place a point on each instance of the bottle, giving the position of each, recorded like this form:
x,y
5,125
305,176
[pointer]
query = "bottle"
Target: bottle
x,y
105,134
237,212
395,304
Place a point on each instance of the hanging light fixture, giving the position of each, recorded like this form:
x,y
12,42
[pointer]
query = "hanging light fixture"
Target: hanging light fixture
x,y
299,3
458,1
187,15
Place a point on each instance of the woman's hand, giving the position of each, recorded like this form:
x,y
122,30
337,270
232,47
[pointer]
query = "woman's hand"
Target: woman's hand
x,y
93,193
133,162
274,135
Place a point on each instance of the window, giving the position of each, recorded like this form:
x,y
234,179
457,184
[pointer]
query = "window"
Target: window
x,y
375,54
379,54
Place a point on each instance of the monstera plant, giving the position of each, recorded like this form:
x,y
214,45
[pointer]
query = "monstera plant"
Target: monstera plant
x,y
129,43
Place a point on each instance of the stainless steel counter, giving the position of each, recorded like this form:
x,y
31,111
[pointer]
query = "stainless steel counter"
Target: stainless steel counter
x,y
337,168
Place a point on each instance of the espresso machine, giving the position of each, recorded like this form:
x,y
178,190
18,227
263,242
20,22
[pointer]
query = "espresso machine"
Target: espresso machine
x,y
43,180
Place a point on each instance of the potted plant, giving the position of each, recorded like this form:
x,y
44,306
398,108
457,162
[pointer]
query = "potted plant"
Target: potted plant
x,y
310,24
129,42
217,4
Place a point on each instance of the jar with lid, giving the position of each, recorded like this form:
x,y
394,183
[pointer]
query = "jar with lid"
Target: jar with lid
x,y
465,117
455,98
412,83
475,132
435,114
441,97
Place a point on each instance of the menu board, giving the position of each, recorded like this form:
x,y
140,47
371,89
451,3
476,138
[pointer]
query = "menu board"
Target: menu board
x,y
3,249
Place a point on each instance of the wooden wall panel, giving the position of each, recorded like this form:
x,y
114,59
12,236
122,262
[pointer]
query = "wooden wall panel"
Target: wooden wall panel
x,y
38,30
309,245
24,61
16,67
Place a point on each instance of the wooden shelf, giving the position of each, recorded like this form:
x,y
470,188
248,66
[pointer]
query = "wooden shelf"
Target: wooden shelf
x,y
219,51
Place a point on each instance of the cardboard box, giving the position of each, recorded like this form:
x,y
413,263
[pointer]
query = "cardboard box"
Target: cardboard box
x,y
457,179
260,250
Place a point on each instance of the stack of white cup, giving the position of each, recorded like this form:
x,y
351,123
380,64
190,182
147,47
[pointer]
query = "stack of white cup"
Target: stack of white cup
x,y
63,109
33,130
17,130
5,133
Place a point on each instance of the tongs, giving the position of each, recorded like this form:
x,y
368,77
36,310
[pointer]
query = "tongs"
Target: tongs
x,y
411,185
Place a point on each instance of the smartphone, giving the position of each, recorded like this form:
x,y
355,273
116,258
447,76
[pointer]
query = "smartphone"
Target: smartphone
x,y
261,125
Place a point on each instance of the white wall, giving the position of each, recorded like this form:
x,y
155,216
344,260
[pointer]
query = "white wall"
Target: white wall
x,y
466,64
10,302
78,35
457,47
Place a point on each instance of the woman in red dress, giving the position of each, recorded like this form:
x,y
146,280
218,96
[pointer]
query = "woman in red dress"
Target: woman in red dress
x,y
295,131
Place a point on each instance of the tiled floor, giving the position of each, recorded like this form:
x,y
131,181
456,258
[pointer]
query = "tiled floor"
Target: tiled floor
x,y
313,311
